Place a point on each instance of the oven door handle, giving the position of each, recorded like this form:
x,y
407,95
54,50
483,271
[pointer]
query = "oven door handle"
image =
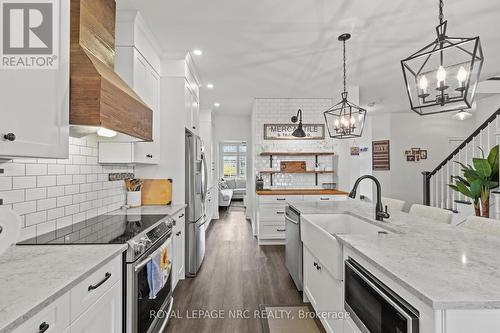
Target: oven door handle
x,y
383,294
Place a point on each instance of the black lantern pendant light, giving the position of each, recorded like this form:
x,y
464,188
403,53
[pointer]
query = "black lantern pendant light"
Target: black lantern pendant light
x,y
443,75
345,120
299,131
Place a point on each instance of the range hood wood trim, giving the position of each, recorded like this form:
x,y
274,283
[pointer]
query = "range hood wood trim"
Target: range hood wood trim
x,y
99,97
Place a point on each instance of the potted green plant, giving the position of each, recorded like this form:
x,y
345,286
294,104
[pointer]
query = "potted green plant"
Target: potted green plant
x,y
478,180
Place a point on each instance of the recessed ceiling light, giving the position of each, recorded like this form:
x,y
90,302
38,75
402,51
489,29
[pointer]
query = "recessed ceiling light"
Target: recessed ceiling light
x,y
216,104
197,52
210,86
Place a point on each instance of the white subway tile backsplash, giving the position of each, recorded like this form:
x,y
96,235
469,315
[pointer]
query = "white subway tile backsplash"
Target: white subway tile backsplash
x,y
64,200
55,191
79,179
23,208
71,209
71,189
55,213
35,218
10,197
45,204
64,179
44,181
23,182
72,169
53,194
55,169
36,169
36,193
5,183
13,169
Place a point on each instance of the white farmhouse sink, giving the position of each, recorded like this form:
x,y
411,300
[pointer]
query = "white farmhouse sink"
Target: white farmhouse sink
x,y
318,233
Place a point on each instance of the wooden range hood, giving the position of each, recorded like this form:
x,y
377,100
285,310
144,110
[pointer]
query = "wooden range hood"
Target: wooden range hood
x,y
99,97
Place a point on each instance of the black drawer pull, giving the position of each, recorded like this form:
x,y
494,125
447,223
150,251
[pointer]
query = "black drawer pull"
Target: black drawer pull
x,y
106,278
324,199
178,233
280,213
149,156
281,230
181,216
280,199
43,327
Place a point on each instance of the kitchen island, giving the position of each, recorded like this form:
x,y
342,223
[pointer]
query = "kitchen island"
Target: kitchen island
x,y
450,274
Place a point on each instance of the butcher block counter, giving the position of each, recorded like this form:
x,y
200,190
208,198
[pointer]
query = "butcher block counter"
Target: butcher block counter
x,y
318,191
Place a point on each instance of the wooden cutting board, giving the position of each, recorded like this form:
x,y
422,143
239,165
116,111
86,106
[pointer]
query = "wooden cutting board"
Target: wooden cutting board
x,y
156,191
293,166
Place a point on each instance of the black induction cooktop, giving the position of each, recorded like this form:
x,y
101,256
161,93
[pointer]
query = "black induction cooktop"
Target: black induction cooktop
x,y
102,229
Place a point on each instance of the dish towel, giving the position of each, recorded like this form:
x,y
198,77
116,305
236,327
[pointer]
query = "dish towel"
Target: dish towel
x,y
166,263
155,274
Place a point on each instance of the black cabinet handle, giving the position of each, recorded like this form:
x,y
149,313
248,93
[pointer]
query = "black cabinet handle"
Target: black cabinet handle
x,y
281,230
280,199
9,136
149,156
181,216
43,327
280,213
178,233
324,199
106,278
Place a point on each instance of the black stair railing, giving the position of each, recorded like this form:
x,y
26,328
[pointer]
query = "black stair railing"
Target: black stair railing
x,y
427,175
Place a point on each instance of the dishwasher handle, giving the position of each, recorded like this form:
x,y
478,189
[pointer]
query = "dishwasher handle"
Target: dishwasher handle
x,y
288,219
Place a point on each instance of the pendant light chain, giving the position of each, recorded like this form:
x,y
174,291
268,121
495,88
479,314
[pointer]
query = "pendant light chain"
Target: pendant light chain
x,y
441,14
345,76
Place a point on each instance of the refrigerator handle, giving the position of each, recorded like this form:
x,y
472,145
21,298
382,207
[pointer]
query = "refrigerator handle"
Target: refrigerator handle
x,y
204,177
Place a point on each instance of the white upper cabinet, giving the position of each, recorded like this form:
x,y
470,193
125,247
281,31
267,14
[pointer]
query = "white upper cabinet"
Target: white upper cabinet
x,y
136,62
192,109
35,104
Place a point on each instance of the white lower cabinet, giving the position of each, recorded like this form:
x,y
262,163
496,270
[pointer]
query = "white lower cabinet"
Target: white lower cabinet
x,y
179,231
103,316
92,306
271,214
324,292
54,318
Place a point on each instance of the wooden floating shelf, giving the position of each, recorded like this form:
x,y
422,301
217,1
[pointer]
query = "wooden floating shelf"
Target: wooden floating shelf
x,y
268,153
302,172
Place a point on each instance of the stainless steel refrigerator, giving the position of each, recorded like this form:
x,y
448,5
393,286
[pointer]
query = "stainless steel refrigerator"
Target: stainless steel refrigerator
x,y
196,190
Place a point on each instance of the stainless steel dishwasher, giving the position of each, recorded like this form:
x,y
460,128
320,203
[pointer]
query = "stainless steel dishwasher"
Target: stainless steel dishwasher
x,y
293,248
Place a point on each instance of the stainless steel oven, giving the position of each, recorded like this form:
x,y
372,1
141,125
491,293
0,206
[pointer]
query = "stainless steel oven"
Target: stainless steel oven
x,y
145,314
373,306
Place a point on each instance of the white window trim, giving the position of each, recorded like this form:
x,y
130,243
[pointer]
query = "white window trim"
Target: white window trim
x,y
237,154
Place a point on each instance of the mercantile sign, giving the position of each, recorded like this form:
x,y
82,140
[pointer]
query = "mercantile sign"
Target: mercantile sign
x,y
284,131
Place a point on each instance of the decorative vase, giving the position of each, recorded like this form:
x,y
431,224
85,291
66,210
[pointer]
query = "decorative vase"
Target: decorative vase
x,y
485,207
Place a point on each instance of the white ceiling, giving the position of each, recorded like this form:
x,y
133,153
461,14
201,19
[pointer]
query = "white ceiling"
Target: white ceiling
x,y
289,48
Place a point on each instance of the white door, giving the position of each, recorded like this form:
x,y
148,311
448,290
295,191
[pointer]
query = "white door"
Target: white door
x,y
34,109
104,316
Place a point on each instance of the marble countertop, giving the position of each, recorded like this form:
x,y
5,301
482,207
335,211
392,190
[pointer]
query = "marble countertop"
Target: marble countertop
x,y
31,277
445,266
150,210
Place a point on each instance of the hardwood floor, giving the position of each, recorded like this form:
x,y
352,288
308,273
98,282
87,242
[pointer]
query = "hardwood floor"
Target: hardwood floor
x,y
236,274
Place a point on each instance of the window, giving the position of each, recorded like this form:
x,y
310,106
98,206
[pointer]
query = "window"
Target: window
x,y
234,159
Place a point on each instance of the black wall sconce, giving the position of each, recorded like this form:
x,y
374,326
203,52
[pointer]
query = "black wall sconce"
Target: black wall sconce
x,y
299,131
